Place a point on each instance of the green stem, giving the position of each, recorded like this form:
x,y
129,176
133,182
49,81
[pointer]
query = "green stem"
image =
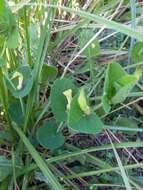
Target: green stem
x,y
27,36
101,171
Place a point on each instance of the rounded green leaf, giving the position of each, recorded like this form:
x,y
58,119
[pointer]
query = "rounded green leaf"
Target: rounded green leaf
x,y
81,122
58,99
137,52
48,136
20,82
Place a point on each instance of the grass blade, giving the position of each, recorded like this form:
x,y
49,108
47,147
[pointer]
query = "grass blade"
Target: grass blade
x,y
105,170
100,20
133,25
85,151
121,167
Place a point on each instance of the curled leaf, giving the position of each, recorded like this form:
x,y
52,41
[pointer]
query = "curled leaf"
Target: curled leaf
x,y
68,95
83,102
20,79
20,82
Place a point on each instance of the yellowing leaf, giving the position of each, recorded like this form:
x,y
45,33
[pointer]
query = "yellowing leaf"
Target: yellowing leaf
x,y
20,79
83,102
138,73
68,95
20,82
58,99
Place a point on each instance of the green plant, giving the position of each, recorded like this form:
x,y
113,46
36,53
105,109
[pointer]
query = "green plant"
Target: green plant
x,y
118,85
45,89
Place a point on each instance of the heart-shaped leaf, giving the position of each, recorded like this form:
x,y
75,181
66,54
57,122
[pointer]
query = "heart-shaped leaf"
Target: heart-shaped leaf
x,y
58,99
81,122
117,85
20,82
48,136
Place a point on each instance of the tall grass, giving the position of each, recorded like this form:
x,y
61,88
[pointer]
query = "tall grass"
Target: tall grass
x,y
50,34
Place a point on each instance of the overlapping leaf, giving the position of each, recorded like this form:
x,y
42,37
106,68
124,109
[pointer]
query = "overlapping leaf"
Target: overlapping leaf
x,y
117,85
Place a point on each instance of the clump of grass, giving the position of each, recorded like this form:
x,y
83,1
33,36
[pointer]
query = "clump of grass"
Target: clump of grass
x,y
70,99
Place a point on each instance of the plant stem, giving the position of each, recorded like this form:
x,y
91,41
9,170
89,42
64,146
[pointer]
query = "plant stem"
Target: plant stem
x,y
27,36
